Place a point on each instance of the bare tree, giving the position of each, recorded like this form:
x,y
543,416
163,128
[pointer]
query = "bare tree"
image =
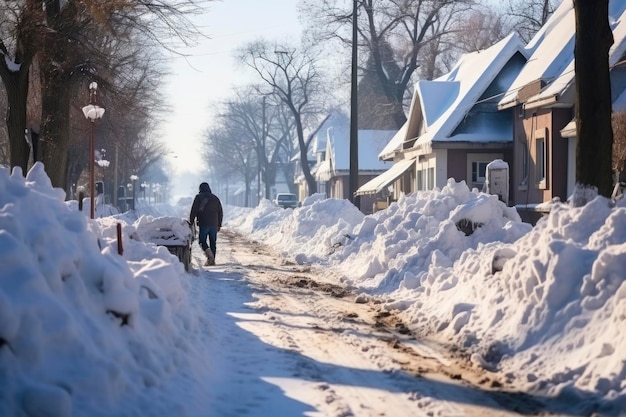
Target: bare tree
x,y
230,149
67,39
20,29
480,29
261,119
393,34
290,75
528,16
282,134
593,97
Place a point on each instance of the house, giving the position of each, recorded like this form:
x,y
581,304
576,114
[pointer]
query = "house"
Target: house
x,y
315,156
454,128
318,149
397,180
333,169
302,188
543,99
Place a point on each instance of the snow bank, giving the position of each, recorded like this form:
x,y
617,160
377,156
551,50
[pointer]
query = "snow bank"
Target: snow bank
x,y
511,296
83,329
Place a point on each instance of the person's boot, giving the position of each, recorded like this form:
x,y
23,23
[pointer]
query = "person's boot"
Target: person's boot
x,y
210,259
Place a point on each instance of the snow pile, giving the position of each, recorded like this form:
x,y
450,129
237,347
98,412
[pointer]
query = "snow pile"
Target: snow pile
x,y
462,269
86,331
164,230
384,249
82,329
558,292
308,233
393,248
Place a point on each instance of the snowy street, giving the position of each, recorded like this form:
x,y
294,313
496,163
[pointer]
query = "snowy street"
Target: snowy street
x,y
286,341
318,311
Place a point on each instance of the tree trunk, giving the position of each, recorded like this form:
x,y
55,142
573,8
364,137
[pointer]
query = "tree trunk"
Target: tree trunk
x,y
593,95
304,160
16,86
270,178
74,169
55,126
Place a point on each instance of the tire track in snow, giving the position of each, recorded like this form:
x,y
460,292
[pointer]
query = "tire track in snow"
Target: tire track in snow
x,y
329,355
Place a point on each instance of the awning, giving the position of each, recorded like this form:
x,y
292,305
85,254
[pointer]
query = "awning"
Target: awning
x,y
376,184
394,144
569,131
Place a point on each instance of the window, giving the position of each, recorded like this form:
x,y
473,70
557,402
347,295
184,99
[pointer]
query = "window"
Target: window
x,y
426,179
476,168
525,166
541,160
479,170
541,157
420,180
431,179
321,187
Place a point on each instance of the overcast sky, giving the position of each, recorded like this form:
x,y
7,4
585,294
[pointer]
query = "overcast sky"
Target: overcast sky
x,y
209,74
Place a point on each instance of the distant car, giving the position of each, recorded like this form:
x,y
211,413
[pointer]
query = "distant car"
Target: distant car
x,y
286,200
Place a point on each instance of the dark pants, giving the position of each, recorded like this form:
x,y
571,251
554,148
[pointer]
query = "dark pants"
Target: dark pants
x,y
211,233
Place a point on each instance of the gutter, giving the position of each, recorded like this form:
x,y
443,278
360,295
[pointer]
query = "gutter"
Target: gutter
x,y
542,102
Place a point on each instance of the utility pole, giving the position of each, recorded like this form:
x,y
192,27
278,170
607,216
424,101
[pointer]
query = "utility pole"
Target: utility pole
x,y
354,114
258,163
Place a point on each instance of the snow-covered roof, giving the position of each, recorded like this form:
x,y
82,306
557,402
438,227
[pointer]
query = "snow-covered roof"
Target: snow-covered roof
x,y
371,142
445,102
376,184
318,144
323,171
552,55
394,144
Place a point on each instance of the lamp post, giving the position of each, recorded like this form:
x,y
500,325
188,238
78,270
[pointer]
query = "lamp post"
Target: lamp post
x,y
144,185
134,179
92,112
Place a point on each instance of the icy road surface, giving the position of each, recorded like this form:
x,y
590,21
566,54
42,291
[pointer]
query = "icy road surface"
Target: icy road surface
x,y
286,341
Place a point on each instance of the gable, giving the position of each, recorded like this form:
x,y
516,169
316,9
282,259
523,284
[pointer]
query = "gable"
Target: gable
x,y
464,100
435,98
552,59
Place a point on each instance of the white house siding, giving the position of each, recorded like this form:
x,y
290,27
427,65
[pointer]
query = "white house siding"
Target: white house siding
x,y
431,170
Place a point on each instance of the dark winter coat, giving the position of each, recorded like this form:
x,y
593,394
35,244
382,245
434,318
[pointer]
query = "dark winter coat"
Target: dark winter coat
x,y
207,208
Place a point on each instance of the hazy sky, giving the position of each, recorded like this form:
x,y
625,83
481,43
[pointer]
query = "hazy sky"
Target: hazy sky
x,y
211,72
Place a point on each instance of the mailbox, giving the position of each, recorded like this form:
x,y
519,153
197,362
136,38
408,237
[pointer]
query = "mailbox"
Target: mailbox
x,y
497,179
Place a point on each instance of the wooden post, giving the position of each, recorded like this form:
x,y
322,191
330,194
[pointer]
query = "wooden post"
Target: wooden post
x,y
81,195
120,248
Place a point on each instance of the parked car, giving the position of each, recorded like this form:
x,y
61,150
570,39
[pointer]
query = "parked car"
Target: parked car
x,y
286,200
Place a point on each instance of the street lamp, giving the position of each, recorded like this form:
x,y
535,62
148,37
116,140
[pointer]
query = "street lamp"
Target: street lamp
x,y
92,112
134,179
144,185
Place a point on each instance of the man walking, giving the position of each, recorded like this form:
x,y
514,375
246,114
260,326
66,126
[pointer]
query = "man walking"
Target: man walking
x,y
207,208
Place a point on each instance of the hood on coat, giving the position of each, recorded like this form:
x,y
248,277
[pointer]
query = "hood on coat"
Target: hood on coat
x,y
204,187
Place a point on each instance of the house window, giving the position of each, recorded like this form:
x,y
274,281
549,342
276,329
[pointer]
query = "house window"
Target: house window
x,y
321,187
426,179
431,179
525,166
476,168
420,180
479,170
541,158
